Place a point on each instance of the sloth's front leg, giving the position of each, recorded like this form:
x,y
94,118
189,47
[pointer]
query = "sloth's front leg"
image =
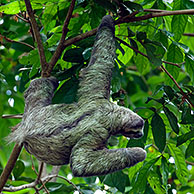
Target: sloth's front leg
x,y
90,157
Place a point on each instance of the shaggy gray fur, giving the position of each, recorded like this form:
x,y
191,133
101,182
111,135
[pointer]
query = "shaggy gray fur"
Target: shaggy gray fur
x,y
77,133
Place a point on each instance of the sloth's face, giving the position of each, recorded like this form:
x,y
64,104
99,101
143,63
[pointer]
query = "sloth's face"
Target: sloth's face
x,y
134,130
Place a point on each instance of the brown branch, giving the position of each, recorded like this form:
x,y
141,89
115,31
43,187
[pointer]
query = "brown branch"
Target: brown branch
x,y
127,19
44,180
172,78
37,37
190,163
18,16
14,41
164,69
10,165
60,47
137,51
188,34
79,37
17,116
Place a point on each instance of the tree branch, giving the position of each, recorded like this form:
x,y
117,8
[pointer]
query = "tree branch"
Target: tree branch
x,y
60,47
14,41
172,78
10,165
127,19
188,34
137,51
17,116
37,38
44,180
163,68
25,20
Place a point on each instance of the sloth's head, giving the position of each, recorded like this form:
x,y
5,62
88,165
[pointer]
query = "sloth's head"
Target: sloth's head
x,y
132,124
135,129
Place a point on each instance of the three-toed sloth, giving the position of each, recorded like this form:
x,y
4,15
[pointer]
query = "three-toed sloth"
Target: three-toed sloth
x,y
77,133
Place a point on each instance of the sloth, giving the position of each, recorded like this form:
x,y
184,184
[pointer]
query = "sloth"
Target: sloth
x,y
77,133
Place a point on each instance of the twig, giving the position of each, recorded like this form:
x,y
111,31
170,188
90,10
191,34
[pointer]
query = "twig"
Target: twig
x,y
190,163
44,180
60,48
188,34
14,41
40,172
37,38
18,116
10,165
172,78
137,51
18,16
127,19
79,37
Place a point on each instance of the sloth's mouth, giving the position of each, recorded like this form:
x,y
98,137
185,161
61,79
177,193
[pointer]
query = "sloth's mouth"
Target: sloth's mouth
x,y
133,134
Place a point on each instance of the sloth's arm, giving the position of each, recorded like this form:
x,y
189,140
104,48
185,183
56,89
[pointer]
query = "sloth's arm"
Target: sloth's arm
x,y
40,93
96,78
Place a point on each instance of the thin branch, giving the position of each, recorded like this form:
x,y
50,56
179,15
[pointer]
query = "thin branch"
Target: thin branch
x,y
18,116
10,165
37,37
60,47
190,163
44,180
137,51
154,10
188,34
40,172
172,78
79,37
127,19
18,16
14,41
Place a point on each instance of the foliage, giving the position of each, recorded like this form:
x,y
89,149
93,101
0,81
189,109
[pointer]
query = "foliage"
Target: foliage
x,y
139,82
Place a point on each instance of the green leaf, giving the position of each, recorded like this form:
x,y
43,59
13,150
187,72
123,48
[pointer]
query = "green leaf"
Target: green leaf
x,y
130,32
87,53
133,6
34,70
169,91
164,171
116,179
178,25
174,55
181,168
13,7
67,92
150,49
141,177
159,131
142,64
189,64
183,138
74,55
190,150
172,120
141,35
133,44
47,17
18,169
155,183
187,117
